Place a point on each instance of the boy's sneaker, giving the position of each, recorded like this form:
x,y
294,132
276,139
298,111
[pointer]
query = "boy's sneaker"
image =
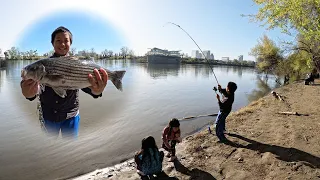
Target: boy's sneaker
x,y
224,140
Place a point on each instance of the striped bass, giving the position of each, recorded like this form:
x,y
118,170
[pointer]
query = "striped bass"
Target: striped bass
x,y
66,73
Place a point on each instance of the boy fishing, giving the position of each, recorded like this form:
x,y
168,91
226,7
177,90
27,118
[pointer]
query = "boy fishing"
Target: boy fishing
x,y
63,113
225,106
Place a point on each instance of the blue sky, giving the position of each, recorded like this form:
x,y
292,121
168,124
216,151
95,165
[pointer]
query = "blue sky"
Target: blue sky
x,y
88,32
215,25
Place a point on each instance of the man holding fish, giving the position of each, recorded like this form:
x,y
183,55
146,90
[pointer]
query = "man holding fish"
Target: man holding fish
x,y
57,80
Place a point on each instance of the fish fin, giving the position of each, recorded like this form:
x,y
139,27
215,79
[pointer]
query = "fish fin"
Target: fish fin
x,y
117,79
54,77
92,59
61,92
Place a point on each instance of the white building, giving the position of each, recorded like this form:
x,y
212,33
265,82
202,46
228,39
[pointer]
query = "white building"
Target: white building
x,y
1,54
196,54
225,58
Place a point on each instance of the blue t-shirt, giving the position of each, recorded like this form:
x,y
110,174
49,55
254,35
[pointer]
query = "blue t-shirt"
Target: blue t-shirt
x,y
151,164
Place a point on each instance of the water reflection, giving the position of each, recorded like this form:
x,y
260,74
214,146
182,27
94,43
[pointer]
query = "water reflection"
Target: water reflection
x,y
2,77
14,66
163,70
196,70
263,87
238,70
114,63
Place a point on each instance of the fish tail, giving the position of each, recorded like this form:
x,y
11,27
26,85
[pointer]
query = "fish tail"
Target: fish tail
x,y
117,79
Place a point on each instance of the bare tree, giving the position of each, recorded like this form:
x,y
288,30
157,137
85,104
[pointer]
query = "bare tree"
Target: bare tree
x,y
124,51
73,52
110,53
104,53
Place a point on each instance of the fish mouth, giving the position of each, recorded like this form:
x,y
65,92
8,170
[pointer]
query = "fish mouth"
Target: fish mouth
x,y
23,74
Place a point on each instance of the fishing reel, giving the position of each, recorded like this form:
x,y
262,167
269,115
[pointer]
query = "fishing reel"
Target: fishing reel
x,y
215,89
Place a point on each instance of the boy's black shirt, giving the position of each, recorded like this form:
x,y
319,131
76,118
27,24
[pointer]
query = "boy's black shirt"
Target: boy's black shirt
x,y
226,103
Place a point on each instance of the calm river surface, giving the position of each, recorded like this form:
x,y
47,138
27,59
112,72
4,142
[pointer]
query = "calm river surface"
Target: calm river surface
x,y
111,127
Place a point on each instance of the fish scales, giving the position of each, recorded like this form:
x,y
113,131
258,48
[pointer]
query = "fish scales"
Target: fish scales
x,y
74,67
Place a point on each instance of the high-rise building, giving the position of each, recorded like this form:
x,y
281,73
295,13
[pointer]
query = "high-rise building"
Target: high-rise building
x,y
194,53
212,56
240,58
207,54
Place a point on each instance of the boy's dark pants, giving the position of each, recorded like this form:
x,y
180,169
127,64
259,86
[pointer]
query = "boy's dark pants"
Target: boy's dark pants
x,y
221,125
173,147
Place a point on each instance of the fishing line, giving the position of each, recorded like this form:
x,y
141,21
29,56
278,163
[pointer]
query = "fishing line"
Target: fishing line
x,y
197,45
215,89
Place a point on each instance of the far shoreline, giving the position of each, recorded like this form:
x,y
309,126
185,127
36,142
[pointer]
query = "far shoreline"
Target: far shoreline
x,y
143,60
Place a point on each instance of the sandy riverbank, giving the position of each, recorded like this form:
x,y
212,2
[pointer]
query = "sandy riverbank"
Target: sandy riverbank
x,y
263,144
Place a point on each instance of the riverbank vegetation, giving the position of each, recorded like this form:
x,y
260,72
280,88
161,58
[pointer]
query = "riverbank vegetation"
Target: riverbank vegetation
x,y
15,54
125,53
298,20
234,62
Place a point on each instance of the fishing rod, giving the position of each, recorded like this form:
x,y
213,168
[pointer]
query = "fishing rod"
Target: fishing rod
x,y
199,49
192,117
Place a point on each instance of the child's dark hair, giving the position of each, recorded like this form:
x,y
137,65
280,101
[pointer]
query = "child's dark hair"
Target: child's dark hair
x,y
148,142
232,86
174,122
59,30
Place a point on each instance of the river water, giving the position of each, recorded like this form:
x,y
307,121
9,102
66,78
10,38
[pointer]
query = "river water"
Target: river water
x,y
111,127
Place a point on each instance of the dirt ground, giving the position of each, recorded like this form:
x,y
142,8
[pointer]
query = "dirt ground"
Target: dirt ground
x,y
262,143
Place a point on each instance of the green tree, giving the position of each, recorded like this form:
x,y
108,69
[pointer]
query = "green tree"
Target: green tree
x,y
268,55
236,61
290,16
131,53
295,18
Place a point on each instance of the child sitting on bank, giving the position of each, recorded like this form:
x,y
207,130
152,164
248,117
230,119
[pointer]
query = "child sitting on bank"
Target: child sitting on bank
x,y
149,159
171,136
